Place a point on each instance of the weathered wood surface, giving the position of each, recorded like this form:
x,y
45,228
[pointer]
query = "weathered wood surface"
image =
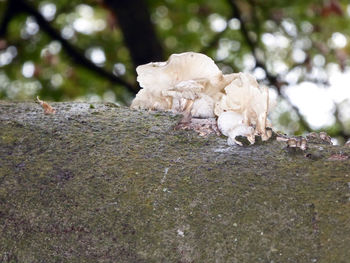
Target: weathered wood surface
x,y
107,184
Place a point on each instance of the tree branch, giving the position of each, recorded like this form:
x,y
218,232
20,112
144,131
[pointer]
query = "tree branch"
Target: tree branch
x,y
213,42
138,31
72,51
273,79
244,30
11,10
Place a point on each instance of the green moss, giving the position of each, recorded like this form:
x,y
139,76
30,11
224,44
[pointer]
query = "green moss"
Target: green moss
x,y
8,139
125,186
112,105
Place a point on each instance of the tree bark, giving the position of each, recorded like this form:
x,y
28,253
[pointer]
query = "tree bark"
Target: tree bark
x,y
102,183
138,31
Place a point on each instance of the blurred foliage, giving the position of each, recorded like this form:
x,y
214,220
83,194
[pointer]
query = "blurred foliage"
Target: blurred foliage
x,y
296,41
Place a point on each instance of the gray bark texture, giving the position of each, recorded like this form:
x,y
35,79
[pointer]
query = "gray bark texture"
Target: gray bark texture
x,y
102,183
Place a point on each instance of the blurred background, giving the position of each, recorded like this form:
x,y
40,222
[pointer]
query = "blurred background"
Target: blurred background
x,y
65,50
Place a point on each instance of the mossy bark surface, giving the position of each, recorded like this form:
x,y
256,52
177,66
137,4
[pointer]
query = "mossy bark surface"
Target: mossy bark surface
x,y
101,183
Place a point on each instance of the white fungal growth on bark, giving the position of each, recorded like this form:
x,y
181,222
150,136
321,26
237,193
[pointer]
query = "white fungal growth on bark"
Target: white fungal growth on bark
x,y
165,85
190,83
243,95
231,124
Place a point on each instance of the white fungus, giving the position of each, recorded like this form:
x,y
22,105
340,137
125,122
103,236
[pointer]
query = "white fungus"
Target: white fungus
x,y
231,124
191,83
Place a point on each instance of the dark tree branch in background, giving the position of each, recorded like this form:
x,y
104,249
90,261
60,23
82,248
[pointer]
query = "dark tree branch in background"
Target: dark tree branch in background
x,y
73,52
244,30
10,11
139,35
253,45
274,80
255,19
213,42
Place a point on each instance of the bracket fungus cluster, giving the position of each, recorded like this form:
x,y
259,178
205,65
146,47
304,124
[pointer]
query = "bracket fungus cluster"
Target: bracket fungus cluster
x,y
192,84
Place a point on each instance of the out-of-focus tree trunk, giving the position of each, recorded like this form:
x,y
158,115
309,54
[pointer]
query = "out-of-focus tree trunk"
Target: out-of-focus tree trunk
x,y
139,34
